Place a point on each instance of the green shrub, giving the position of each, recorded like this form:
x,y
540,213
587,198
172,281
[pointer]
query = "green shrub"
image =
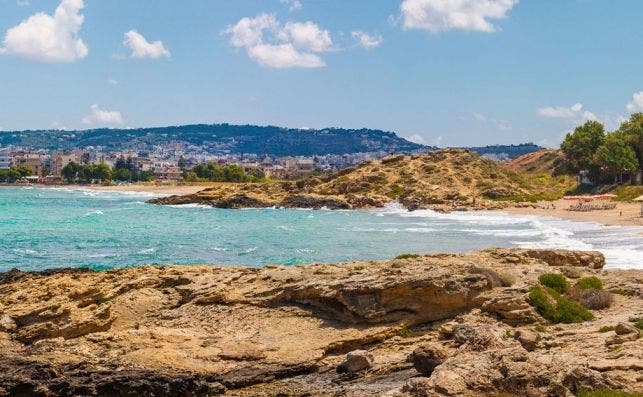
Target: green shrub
x,y
586,283
638,323
555,307
407,256
606,328
555,281
404,332
540,328
608,393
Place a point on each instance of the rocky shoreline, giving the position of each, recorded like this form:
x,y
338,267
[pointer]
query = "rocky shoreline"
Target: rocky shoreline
x,y
435,325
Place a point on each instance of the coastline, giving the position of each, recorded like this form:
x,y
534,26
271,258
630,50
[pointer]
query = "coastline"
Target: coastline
x,y
625,214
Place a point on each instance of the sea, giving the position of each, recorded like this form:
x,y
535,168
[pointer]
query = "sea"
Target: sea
x,y
43,228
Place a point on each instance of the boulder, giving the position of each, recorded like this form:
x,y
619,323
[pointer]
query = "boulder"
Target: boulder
x,y
477,338
356,361
528,339
7,324
625,328
428,356
620,339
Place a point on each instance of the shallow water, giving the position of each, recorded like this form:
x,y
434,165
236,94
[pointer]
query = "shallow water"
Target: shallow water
x,y
47,228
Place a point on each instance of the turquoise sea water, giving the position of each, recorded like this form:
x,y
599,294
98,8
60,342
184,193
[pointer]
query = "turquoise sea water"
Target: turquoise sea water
x,y
47,228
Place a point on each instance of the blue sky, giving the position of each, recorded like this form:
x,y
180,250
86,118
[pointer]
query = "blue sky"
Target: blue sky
x,y
469,73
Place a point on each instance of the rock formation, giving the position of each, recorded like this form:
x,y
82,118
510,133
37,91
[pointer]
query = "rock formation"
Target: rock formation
x,y
435,325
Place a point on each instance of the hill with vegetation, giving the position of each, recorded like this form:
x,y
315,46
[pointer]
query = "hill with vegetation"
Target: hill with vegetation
x,y
220,138
544,172
503,152
441,180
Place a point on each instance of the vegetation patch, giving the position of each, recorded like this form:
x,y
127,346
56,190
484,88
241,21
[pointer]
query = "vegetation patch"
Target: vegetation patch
x,y
555,281
606,328
557,308
638,323
407,256
621,291
589,283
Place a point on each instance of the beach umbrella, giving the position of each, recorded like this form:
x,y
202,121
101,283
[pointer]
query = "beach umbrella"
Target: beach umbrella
x,y
640,199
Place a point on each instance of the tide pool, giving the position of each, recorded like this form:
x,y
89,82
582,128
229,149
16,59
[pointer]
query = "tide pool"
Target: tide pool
x,y
57,227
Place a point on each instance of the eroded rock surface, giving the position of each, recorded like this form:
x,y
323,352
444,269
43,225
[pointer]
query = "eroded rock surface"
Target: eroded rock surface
x,y
462,320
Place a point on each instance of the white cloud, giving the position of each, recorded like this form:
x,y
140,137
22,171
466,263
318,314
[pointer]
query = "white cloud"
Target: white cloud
x,y
416,138
274,45
366,40
141,48
46,38
502,125
444,15
574,112
112,82
103,116
293,5
636,105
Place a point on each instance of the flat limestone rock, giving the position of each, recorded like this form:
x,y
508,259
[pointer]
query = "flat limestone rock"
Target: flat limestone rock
x,y
284,330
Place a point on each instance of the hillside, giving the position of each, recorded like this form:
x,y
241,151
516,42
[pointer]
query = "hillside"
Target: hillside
x,y
220,138
540,170
441,180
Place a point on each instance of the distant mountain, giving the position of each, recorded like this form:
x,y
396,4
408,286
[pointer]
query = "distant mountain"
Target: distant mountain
x,y
220,138
506,152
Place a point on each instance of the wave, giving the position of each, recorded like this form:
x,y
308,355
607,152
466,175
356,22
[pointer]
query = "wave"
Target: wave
x,y
191,205
96,212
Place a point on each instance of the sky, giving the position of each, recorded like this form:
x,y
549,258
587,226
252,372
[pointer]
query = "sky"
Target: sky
x,y
440,72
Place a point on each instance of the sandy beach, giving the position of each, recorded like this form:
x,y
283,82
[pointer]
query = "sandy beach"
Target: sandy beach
x,y
164,189
625,214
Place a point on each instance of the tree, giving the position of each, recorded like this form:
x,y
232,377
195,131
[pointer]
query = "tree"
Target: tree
x,y
85,173
632,131
24,171
580,146
146,176
102,172
234,173
122,174
615,157
70,171
13,175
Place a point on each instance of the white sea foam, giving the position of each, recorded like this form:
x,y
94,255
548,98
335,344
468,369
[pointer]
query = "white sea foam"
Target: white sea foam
x,y
622,246
96,212
192,205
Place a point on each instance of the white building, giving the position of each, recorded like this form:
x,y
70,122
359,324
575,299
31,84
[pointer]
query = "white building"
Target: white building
x,y
5,159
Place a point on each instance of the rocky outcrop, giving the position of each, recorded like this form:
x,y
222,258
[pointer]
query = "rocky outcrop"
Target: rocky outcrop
x,y
434,325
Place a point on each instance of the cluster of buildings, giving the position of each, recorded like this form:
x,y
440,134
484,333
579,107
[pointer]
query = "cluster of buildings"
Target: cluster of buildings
x,y
169,161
